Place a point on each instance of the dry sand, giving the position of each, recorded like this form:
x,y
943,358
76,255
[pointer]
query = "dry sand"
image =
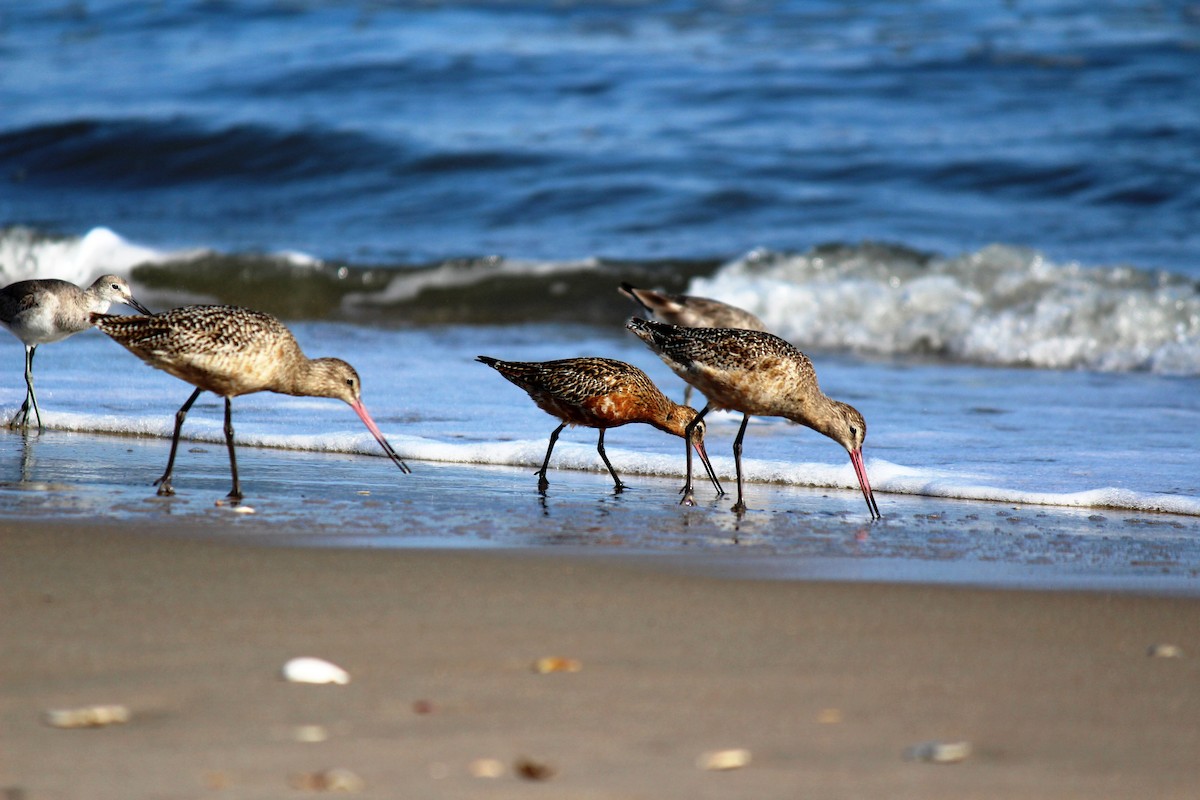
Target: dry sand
x,y
825,684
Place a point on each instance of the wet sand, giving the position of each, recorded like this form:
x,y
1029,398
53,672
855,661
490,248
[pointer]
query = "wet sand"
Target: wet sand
x,y
825,684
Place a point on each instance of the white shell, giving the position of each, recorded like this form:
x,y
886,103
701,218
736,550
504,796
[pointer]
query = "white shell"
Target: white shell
x,y
307,669
724,759
87,716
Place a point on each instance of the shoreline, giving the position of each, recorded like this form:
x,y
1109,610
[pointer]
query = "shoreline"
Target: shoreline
x,y
789,533
826,684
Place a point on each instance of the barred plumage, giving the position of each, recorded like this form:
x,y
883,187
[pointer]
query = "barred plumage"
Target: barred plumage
x,y
233,351
600,393
757,373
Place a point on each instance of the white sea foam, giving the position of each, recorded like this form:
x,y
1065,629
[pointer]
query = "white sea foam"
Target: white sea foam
x,y
1000,305
405,284
886,477
26,254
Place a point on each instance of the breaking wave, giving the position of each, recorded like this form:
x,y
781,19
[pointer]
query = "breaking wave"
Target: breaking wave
x,y
1002,305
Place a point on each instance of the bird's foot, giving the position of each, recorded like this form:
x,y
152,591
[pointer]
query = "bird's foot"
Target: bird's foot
x,y
618,487
689,499
164,487
739,507
543,484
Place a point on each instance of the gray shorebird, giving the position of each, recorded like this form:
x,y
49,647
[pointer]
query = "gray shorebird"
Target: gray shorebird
x,y
692,312
232,351
602,393
49,310
756,373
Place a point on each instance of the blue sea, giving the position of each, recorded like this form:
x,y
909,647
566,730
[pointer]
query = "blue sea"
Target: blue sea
x,y
981,220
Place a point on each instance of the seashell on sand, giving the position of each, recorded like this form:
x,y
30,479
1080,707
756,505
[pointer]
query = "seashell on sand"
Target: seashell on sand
x,y
1164,650
720,760
938,752
336,779
544,666
307,669
87,716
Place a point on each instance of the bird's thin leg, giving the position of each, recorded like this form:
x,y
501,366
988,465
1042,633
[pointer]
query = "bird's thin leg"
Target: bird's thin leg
x,y
740,505
543,484
21,418
600,449
236,492
164,483
689,499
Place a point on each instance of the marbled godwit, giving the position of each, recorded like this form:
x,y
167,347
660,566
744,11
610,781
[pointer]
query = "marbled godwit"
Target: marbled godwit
x,y
756,373
232,351
691,312
49,310
602,393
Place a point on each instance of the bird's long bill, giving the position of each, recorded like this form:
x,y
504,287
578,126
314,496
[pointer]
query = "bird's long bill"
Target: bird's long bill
x,y
708,467
134,304
361,410
861,471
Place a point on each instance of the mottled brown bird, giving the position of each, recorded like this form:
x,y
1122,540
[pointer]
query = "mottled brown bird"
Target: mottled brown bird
x,y
756,373
602,393
691,312
49,310
232,351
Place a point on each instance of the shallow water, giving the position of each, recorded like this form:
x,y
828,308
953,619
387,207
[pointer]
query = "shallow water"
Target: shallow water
x,y
329,499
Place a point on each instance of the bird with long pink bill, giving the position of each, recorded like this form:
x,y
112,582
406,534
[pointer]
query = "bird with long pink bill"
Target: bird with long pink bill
x,y
756,373
233,351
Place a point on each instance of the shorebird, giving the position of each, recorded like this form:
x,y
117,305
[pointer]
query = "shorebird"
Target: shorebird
x,y
49,310
233,351
602,393
756,373
691,312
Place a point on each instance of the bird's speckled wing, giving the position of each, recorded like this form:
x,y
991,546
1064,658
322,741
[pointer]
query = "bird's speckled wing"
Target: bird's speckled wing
x,y
225,349
573,379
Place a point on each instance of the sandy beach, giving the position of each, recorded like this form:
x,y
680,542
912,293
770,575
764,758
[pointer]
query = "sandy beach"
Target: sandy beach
x,y
826,685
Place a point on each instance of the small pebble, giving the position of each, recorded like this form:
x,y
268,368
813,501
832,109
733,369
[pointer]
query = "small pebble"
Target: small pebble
x,y
87,716
938,752
830,716
314,670
723,759
550,664
486,768
1163,650
532,770
337,779
310,733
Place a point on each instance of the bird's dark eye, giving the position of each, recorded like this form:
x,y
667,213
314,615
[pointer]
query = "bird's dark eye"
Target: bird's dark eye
x,y
350,382
853,431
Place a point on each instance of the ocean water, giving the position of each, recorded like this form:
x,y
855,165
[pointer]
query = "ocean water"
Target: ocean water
x,y
980,220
